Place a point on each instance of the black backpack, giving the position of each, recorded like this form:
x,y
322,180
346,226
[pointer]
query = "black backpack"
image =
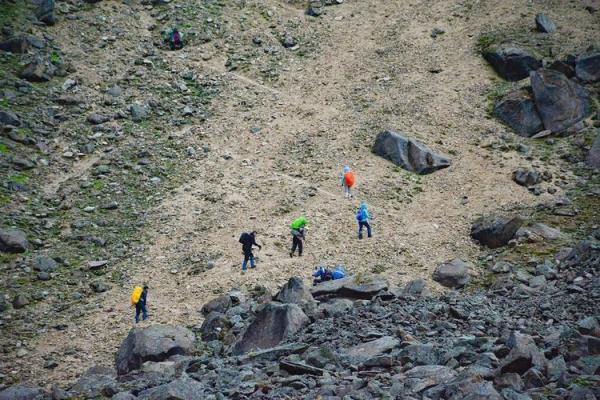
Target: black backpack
x,y
246,239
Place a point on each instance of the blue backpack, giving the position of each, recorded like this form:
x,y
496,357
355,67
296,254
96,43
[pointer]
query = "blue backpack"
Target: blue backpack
x,y
362,215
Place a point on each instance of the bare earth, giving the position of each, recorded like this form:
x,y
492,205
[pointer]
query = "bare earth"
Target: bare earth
x,y
370,73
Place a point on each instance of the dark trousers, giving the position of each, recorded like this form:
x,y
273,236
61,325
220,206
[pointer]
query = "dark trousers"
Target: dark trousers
x,y
296,242
362,224
140,308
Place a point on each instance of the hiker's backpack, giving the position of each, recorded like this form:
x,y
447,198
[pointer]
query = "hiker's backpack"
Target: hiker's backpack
x,y
136,295
362,215
349,179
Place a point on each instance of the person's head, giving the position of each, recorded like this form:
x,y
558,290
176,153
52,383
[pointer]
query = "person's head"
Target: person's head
x,y
346,168
364,206
145,287
253,233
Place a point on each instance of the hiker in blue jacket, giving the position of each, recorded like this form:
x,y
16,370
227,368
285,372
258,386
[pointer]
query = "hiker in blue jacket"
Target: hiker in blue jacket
x,y
362,217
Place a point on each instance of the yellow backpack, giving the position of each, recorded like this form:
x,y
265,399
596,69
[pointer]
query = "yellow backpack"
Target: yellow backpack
x,y
135,296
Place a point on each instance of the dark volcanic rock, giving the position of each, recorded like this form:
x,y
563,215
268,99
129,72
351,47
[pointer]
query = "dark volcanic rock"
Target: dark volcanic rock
x,y
38,71
495,231
273,323
587,68
408,153
96,119
24,392
526,177
354,287
544,24
154,343
96,382
365,351
453,274
13,241
294,292
560,101
593,157
518,111
219,305
9,118
567,69
44,264
17,44
45,11
511,63
179,389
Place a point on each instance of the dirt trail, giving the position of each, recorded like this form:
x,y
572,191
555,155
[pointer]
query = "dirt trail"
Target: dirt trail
x,y
371,74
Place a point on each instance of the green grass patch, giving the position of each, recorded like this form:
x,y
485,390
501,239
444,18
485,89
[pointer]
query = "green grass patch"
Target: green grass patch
x,y
497,92
55,58
20,179
3,148
12,14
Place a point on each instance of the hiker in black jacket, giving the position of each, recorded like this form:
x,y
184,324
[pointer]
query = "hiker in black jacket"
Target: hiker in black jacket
x,y
248,240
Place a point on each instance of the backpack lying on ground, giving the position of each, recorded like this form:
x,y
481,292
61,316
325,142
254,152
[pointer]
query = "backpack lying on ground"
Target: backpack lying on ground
x,y
136,295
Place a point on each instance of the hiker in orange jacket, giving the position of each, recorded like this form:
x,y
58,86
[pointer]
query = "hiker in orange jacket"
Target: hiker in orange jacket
x,y
347,179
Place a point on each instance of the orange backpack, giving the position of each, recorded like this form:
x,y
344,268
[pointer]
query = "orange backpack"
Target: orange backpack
x,y
349,179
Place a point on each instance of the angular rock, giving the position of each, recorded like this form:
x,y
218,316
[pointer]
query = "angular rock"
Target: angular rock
x,y
154,343
565,68
96,382
214,326
38,71
354,287
180,389
299,368
416,287
45,12
408,153
495,231
593,157
99,287
453,274
275,353
511,63
560,101
138,112
13,241
16,45
589,326
419,354
219,305
44,264
336,307
587,68
20,301
24,392
97,119
544,24
272,324
294,292
422,377
368,350
526,177
502,267
518,111
9,118
524,354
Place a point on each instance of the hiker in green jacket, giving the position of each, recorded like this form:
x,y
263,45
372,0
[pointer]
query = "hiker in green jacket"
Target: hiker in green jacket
x,y
298,227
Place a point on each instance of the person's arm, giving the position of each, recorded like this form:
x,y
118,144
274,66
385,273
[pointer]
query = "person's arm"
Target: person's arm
x,y
256,244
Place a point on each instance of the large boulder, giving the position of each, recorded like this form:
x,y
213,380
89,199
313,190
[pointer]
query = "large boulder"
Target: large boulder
x,y
294,292
587,68
44,264
96,382
560,101
453,274
179,389
511,63
354,287
45,11
526,177
365,351
38,71
523,355
593,158
13,241
9,118
154,343
24,392
408,153
518,111
495,231
219,305
544,24
272,324
16,44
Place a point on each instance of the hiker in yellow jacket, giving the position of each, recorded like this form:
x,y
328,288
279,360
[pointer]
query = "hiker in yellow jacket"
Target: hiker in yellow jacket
x,y
138,299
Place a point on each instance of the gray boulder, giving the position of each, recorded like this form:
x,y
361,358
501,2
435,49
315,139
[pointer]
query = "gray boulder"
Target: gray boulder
x,y
518,111
24,392
294,292
273,323
560,101
45,11
336,307
452,274
219,305
123,396
138,112
495,231
44,264
544,24
214,326
96,382
9,118
13,241
526,177
180,389
587,68
365,351
523,355
593,158
97,119
38,71
408,153
353,287
511,63
416,287
154,343
16,44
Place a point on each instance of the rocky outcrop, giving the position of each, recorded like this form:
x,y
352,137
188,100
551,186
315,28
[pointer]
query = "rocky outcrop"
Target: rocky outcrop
x,y
408,153
593,157
526,177
453,274
353,287
24,392
518,111
495,231
544,24
511,63
154,343
272,324
38,71
587,67
13,241
560,101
